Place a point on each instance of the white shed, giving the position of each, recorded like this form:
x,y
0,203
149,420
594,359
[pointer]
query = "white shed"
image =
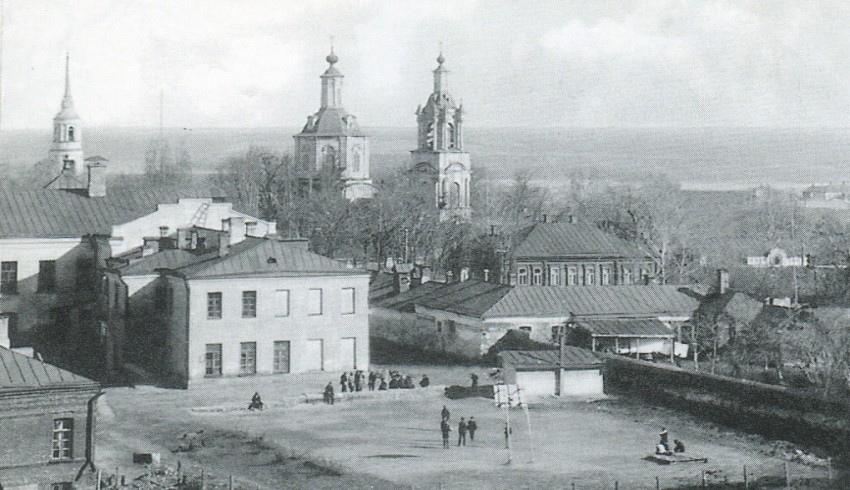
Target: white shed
x,y
546,372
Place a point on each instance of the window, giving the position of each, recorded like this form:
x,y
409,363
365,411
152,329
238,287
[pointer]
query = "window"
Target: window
x,y
46,276
605,277
281,301
627,275
555,276
213,360
439,326
9,277
62,486
572,276
644,275
249,304
214,306
347,301
452,327
556,333
589,276
315,301
525,329
281,356
522,276
537,276
247,358
63,439
70,133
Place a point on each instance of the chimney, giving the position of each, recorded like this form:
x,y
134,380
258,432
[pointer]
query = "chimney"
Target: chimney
x,y
545,218
4,332
449,277
150,247
464,274
183,238
486,275
163,231
193,240
223,244
722,281
97,177
237,229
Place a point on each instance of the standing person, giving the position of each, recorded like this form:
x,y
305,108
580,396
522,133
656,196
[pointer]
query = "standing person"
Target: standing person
x,y
471,426
445,413
474,381
373,377
351,381
343,382
664,439
445,428
461,432
358,381
329,393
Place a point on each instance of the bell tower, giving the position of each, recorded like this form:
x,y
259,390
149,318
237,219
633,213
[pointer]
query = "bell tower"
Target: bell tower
x,y
67,147
439,162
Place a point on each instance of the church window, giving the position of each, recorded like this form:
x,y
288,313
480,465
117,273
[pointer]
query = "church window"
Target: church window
x,y
329,157
70,133
522,276
454,199
537,277
451,135
429,137
356,158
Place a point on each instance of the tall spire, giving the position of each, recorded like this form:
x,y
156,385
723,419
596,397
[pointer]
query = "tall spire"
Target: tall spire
x,y
66,100
441,75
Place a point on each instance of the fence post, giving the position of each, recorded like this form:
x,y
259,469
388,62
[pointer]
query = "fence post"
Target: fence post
x,y
97,485
787,476
574,486
829,467
203,482
702,477
616,485
230,485
657,483
746,483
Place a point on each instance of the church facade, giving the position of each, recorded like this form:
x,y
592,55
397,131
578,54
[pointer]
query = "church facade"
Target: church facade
x,y
332,144
439,162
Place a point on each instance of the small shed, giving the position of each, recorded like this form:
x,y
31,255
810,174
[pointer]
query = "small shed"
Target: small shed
x,y
578,372
624,336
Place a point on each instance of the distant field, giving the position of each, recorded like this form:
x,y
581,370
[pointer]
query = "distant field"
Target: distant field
x,y
701,158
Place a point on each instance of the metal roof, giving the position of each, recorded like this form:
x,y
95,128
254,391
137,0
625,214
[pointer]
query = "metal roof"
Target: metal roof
x,y
574,240
405,301
613,301
20,371
165,259
331,121
550,359
633,327
468,298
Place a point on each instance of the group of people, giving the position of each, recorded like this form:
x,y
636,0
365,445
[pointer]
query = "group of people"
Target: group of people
x,y
353,381
464,427
663,446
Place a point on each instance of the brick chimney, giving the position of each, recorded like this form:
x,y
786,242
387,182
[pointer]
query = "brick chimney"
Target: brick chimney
x,y
4,332
97,176
722,281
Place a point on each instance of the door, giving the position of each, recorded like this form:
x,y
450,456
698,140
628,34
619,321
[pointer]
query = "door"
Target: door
x,y
213,360
313,355
348,353
247,358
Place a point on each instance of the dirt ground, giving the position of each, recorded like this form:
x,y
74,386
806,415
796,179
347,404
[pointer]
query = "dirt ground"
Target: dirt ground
x,y
391,439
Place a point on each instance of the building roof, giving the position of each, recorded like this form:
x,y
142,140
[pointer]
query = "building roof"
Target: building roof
x,y
405,301
265,257
468,298
550,359
737,306
19,371
589,301
165,259
566,240
333,121
631,327
51,213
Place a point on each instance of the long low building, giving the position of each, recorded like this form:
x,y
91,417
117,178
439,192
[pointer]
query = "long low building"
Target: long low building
x,y
573,372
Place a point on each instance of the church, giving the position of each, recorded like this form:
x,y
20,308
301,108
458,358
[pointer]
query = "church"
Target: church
x,y
439,162
332,142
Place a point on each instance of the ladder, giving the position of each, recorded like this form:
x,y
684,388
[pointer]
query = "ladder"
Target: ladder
x,y
200,217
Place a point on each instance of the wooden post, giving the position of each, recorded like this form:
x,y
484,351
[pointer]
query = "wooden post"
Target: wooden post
x,y
230,485
787,476
203,482
829,468
672,351
746,483
592,343
703,478
97,485
616,485
657,483
616,345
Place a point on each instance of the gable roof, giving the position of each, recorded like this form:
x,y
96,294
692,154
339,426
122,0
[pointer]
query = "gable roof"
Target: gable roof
x,y
468,298
740,307
574,240
550,359
19,371
51,213
631,327
165,259
405,301
587,301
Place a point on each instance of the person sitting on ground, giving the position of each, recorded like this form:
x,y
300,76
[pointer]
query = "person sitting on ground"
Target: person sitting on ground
x,y
256,402
408,383
678,446
660,449
425,381
383,385
394,383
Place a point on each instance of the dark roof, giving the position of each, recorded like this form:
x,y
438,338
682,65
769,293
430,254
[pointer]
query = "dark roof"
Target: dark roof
x,y
405,301
549,359
574,240
633,327
265,257
613,301
381,286
468,298
20,371
740,307
52,213
165,259
331,121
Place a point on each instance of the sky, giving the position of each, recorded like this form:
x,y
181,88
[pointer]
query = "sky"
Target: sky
x,y
569,63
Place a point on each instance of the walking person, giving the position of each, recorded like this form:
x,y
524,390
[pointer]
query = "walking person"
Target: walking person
x,y
445,428
461,432
329,393
474,381
471,426
445,413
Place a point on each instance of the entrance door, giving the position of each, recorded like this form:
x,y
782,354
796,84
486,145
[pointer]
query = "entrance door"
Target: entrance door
x,y
348,353
314,355
213,360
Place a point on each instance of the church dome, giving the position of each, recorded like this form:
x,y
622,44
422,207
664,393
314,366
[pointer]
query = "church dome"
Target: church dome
x,y
332,58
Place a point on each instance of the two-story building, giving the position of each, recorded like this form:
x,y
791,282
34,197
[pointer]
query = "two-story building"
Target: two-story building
x,y
578,254
260,306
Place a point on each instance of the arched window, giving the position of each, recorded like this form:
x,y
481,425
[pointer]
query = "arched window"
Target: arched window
x,y
356,157
554,276
522,276
572,276
537,277
329,157
70,133
590,276
451,135
429,137
454,198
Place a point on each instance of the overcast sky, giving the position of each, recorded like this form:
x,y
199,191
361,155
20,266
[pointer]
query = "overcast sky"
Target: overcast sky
x,y
521,63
